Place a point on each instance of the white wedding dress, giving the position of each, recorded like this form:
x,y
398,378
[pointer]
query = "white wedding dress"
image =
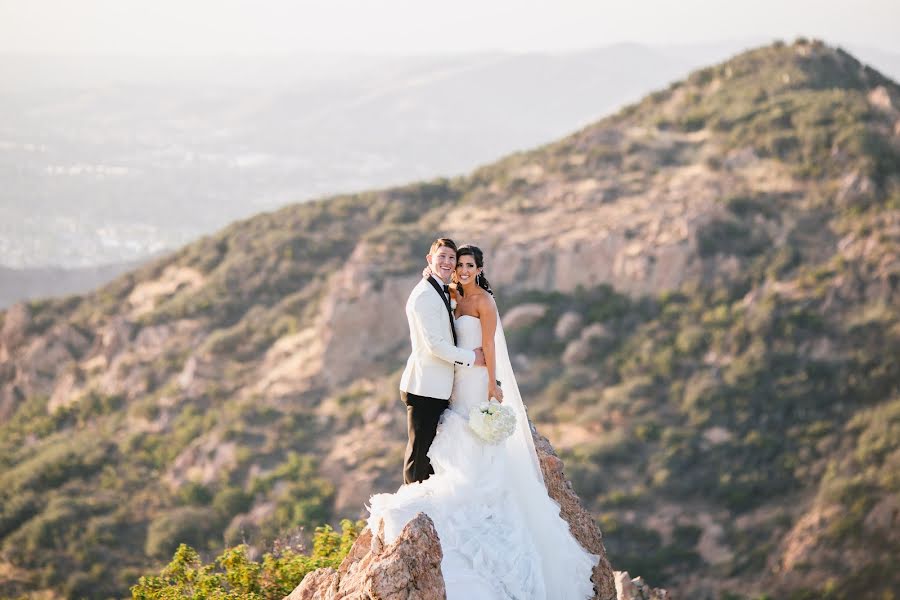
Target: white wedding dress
x,y
500,532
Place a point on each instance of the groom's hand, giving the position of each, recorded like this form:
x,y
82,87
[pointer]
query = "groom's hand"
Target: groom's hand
x,y
479,358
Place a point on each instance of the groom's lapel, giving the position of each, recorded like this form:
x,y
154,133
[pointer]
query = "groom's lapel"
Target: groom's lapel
x,y
440,292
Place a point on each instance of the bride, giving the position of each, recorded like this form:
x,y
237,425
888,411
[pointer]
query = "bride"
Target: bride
x,y
501,534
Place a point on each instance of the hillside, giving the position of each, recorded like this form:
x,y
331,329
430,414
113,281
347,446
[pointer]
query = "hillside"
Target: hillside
x,y
701,293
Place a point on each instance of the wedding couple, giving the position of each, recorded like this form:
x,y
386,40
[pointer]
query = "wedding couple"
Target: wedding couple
x,y
501,534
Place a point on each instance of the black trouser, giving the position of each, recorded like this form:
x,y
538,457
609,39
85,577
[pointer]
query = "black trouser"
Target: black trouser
x,y
422,416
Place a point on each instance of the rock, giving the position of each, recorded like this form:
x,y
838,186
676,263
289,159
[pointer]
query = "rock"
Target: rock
x,y
64,393
717,435
15,325
202,461
114,337
186,377
321,584
524,315
576,352
581,523
879,98
636,589
739,158
408,569
567,325
884,518
595,331
854,189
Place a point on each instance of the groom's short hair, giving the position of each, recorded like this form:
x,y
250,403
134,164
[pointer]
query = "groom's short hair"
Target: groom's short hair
x,y
442,243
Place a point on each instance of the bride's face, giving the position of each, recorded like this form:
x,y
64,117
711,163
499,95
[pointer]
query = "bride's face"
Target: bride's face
x,y
466,271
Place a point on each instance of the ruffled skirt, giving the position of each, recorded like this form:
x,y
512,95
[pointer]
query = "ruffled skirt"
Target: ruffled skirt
x,y
489,545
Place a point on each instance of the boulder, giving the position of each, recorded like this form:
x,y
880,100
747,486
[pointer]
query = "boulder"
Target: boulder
x,y
408,569
524,315
636,589
568,325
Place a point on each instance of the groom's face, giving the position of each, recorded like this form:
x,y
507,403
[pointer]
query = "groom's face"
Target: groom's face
x,y
442,263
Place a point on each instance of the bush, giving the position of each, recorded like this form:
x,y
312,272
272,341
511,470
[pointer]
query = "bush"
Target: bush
x,y
235,576
62,520
188,525
232,501
195,494
636,549
730,236
16,510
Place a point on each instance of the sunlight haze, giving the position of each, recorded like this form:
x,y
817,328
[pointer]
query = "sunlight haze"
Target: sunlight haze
x,y
167,27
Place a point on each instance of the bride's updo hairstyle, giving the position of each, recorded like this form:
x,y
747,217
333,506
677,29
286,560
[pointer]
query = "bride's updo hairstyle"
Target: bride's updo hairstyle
x,y
476,253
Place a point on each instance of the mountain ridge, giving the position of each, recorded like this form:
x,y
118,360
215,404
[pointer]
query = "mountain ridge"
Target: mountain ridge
x,y
724,402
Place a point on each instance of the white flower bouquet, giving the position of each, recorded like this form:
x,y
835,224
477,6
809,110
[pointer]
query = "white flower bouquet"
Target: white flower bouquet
x,y
492,421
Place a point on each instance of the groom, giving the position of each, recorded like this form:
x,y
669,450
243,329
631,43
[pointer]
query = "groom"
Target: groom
x,y
428,378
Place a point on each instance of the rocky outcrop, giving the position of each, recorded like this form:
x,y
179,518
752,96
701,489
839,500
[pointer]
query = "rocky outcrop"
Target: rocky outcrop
x,y
408,569
582,525
636,589
411,566
15,326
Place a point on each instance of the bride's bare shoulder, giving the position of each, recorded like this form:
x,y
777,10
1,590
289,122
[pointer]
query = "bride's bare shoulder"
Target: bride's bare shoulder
x,y
484,303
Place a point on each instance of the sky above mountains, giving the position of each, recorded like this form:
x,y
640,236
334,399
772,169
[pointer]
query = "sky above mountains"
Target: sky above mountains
x,y
173,27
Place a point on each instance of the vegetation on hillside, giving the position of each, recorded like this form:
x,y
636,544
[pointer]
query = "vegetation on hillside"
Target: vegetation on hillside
x,y
761,399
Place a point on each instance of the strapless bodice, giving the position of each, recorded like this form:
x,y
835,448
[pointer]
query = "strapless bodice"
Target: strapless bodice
x,y
468,332
469,383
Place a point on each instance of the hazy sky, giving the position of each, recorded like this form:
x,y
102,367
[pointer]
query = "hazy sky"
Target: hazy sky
x,y
172,27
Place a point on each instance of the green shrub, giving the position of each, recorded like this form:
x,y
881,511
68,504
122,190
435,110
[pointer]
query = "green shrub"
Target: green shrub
x,y
62,520
16,509
231,501
185,525
195,493
636,549
235,576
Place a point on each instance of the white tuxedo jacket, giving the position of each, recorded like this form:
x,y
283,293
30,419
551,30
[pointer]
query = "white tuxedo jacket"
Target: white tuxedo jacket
x,y
429,370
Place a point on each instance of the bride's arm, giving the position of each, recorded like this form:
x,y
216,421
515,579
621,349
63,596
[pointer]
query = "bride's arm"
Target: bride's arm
x,y
487,313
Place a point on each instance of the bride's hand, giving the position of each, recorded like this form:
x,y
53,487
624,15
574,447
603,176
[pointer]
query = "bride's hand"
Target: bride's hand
x,y
494,391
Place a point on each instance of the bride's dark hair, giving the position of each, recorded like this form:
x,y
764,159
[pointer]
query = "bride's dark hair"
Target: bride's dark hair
x,y
476,253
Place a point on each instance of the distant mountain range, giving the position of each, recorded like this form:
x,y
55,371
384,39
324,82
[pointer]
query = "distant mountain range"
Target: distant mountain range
x,y
109,160
22,284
